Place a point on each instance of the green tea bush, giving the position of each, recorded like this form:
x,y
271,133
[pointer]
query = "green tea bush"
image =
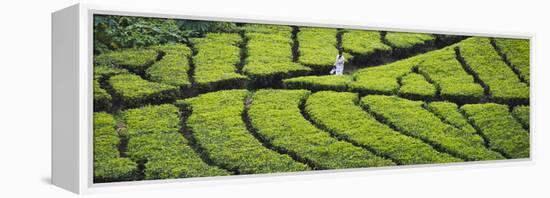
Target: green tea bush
x,y
104,72
503,84
366,47
172,69
516,51
217,124
363,42
154,139
405,43
276,116
382,79
353,124
415,86
216,60
521,113
270,54
447,73
504,133
449,113
403,40
318,48
133,91
102,99
412,119
135,60
318,83
108,166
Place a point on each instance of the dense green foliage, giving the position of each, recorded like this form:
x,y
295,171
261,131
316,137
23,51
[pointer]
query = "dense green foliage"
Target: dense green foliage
x,y
173,67
414,85
355,125
407,40
154,139
270,54
135,60
448,112
108,166
363,42
216,60
317,47
382,79
504,133
275,114
102,99
411,118
317,83
503,84
516,51
133,90
521,113
447,73
217,125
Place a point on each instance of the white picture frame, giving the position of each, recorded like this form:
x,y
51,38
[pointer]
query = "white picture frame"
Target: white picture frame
x,y
72,106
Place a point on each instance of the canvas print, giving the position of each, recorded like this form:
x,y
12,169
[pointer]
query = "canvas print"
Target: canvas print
x,y
176,98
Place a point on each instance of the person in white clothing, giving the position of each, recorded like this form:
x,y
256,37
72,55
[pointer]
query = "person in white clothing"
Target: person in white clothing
x,y
338,68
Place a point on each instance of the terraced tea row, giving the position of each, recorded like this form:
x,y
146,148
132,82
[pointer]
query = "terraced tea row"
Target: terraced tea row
x,y
241,132
467,72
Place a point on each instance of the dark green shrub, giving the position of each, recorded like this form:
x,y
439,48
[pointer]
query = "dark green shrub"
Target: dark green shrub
x,y
102,99
338,112
412,119
217,124
504,133
133,91
275,114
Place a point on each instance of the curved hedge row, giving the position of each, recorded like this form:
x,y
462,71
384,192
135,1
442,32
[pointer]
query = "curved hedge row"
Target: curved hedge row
x,y
448,112
516,51
217,124
270,54
276,116
134,91
411,118
154,139
448,74
102,99
521,113
355,125
216,60
172,69
317,48
108,166
505,134
415,86
404,40
503,84
363,42
135,60
318,83
382,79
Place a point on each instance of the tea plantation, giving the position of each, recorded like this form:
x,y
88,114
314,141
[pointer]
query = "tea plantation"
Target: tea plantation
x,y
260,100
